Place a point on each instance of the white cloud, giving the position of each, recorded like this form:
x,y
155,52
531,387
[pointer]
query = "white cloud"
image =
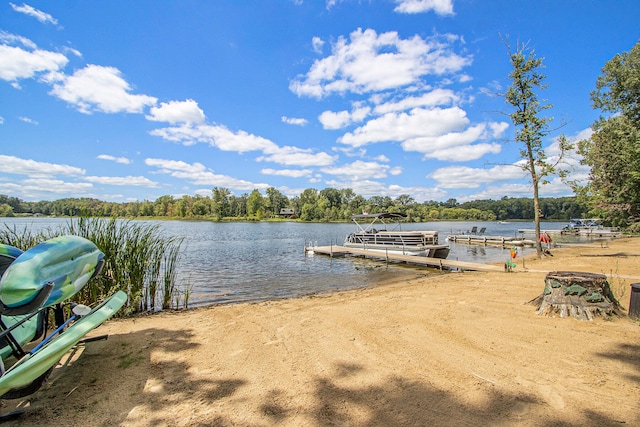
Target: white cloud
x,y
135,181
13,39
28,120
434,98
103,89
17,63
468,177
368,188
291,173
35,169
335,120
361,170
496,192
72,51
177,112
294,121
341,119
46,189
371,62
293,156
121,160
318,44
464,153
440,7
556,188
457,146
216,136
419,122
41,16
241,141
198,174
440,133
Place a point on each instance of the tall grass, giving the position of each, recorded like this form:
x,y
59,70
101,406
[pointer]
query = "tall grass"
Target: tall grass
x,y
139,259
24,238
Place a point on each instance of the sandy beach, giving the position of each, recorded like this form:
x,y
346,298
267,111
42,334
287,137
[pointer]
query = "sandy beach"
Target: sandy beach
x,y
457,349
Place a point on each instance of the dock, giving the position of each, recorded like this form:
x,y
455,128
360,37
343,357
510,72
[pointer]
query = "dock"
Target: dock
x,y
442,264
531,231
590,232
505,242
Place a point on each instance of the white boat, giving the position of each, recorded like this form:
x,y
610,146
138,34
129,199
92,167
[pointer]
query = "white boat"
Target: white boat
x,y
382,232
589,227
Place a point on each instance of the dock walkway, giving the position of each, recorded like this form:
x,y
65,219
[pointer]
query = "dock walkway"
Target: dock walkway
x,y
490,240
443,264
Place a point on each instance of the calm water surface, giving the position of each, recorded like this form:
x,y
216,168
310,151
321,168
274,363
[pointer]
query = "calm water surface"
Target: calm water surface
x,y
244,261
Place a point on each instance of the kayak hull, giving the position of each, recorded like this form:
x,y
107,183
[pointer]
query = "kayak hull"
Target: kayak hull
x,y
68,262
33,366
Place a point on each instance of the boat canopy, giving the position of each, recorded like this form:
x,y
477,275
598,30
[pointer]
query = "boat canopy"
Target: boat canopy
x,y
383,215
372,220
584,222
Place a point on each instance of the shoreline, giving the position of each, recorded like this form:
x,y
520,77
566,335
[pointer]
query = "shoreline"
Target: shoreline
x,y
447,349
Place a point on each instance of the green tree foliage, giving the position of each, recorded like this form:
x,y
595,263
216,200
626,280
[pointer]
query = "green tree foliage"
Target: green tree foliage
x,y
316,207
613,151
255,204
531,126
276,201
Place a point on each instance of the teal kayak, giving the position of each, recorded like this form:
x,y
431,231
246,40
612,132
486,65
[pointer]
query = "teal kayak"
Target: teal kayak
x,y
27,331
66,262
8,254
24,333
36,363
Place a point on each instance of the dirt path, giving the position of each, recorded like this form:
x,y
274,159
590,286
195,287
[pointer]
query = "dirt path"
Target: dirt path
x,y
461,349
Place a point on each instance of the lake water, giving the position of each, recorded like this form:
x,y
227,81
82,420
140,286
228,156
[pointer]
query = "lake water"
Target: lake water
x,y
255,261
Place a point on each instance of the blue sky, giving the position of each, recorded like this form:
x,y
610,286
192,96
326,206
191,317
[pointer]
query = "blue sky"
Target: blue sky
x,y
132,100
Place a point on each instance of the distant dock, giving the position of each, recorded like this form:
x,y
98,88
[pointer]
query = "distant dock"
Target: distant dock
x,y
505,242
442,264
591,232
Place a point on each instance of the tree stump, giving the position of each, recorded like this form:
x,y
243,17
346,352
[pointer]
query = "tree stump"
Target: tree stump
x,y
577,294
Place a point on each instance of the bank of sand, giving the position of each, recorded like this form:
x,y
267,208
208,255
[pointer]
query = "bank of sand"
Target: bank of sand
x,y
459,349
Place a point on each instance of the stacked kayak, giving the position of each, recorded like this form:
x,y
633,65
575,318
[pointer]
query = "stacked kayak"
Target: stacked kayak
x,y
33,282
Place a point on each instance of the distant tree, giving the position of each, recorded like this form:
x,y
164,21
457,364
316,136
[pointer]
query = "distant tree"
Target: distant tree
x,y
6,210
277,200
526,79
333,196
220,202
255,204
347,195
451,203
238,205
357,205
613,151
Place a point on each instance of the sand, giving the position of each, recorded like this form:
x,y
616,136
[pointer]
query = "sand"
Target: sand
x,y
458,349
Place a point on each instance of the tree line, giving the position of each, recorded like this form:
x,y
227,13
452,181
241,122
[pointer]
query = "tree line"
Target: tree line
x,y
329,204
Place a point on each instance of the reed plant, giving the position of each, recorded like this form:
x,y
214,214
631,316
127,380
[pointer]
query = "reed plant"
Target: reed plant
x,y
139,259
24,238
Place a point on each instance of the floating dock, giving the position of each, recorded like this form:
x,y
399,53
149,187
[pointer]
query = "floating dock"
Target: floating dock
x,y
505,242
442,264
531,231
591,232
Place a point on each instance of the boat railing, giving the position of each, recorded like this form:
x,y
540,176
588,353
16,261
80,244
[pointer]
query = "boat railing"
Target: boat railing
x,y
397,239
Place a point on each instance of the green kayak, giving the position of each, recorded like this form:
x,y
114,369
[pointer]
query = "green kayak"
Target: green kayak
x,y
66,262
40,360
